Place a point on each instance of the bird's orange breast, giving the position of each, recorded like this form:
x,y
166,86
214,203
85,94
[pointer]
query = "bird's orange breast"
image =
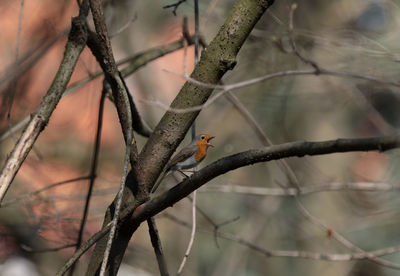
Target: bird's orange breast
x,y
201,152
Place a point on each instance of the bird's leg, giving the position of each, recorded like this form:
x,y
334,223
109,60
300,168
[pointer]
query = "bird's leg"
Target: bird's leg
x,y
181,172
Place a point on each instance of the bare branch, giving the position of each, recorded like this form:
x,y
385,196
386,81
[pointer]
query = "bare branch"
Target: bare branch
x,y
341,239
26,62
291,253
275,152
76,43
156,242
84,247
135,62
174,5
192,235
216,60
187,186
336,186
25,196
46,250
193,130
124,107
124,27
229,87
93,166
14,84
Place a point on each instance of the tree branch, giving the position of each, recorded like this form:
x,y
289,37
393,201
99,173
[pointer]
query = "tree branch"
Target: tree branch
x,y
124,105
135,62
156,242
335,186
223,165
269,253
174,6
75,44
216,60
93,167
232,162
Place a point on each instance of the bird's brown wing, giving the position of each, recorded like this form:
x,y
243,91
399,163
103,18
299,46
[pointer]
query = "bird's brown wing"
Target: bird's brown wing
x,y
185,153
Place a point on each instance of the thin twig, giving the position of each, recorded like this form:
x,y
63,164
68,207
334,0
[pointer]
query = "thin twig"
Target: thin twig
x,y
174,5
136,62
46,250
196,32
156,242
14,84
93,166
110,68
215,225
341,239
75,44
193,130
15,200
306,190
229,87
291,253
121,190
124,27
84,247
192,235
221,166
129,137
293,43
282,164
207,218
28,60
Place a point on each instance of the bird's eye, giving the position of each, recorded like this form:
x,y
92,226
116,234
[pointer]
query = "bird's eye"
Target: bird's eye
x,y
202,137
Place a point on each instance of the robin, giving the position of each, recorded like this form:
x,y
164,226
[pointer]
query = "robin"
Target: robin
x,y
188,158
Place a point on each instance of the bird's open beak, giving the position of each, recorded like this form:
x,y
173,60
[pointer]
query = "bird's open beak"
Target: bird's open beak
x,y
208,141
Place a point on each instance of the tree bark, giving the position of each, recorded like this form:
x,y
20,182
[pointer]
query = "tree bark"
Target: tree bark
x,y
216,60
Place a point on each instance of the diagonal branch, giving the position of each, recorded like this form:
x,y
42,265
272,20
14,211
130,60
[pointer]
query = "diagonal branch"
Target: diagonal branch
x,y
121,98
276,152
75,44
156,242
31,194
269,253
135,62
223,165
216,60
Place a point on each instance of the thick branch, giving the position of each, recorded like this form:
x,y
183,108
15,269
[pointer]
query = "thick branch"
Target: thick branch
x,y
101,47
223,165
232,162
75,45
216,60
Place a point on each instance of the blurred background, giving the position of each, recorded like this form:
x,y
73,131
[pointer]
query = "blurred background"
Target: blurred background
x,y
358,36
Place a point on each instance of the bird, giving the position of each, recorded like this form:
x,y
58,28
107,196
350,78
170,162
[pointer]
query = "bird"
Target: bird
x,y
187,158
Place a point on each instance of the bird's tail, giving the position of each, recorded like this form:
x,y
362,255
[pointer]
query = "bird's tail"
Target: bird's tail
x,y
159,180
